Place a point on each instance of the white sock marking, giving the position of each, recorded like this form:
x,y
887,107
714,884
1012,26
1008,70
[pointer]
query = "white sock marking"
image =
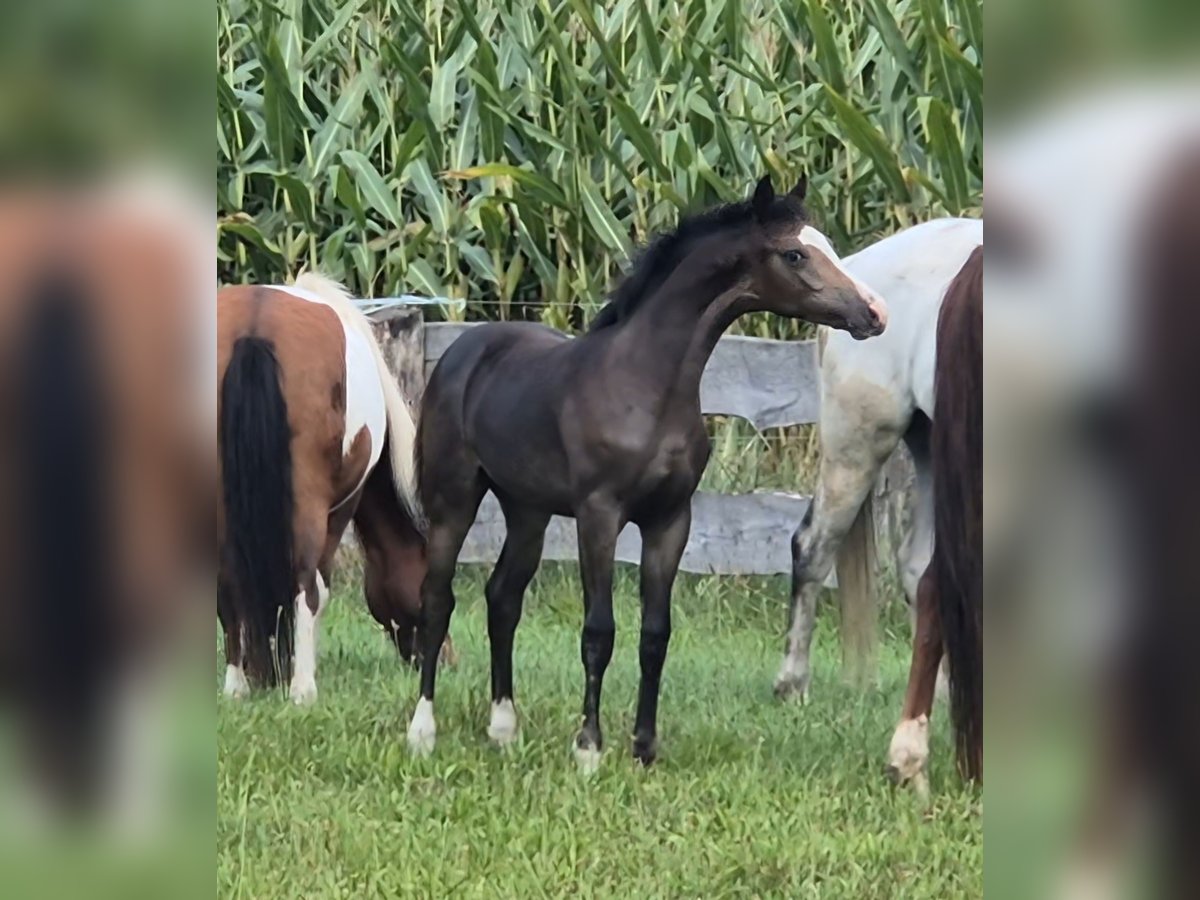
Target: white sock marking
x,y
236,685
502,728
422,731
909,750
303,689
588,760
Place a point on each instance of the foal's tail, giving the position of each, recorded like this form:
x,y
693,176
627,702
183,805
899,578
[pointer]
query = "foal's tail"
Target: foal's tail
x,y
256,472
957,566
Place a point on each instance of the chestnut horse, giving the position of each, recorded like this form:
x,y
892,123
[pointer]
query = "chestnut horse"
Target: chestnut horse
x,y
313,434
950,593
606,428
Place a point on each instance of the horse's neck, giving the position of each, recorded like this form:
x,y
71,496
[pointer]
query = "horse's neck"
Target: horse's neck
x,y
680,327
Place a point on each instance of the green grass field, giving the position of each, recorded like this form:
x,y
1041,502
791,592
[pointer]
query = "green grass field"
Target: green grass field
x,y
750,797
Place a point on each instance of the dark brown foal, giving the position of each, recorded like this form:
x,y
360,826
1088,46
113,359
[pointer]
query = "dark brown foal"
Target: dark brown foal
x,y
605,428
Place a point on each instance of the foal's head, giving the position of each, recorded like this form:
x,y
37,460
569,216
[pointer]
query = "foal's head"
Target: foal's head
x,y
794,271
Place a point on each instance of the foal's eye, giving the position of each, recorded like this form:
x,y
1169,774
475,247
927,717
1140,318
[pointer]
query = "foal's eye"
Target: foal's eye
x,y
793,257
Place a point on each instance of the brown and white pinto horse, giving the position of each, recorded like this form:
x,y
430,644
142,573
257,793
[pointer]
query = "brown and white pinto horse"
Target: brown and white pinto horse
x,y
313,434
950,594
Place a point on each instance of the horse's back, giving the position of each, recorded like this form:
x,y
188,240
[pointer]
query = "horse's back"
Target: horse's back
x,y
911,270
330,384
492,340
495,389
485,354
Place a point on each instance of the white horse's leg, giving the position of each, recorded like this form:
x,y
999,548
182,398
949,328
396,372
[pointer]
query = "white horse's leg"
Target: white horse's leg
x,y
918,546
840,493
861,424
303,689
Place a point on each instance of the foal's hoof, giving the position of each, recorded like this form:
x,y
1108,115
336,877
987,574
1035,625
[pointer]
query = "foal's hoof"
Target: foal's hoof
x,y
587,758
502,727
645,750
422,731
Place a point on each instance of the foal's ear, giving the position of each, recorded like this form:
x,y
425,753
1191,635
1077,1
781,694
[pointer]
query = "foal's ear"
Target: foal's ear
x,y
764,196
800,191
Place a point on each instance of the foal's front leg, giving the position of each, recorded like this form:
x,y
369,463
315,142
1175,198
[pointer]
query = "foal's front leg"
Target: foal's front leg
x,y
598,523
662,548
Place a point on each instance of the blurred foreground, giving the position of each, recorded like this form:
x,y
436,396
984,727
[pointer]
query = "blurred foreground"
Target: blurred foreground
x,y
1092,500
106,447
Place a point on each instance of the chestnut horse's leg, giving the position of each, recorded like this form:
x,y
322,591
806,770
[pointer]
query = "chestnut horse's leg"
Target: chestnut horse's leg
x,y
450,518
505,593
908,754
662,548
599,524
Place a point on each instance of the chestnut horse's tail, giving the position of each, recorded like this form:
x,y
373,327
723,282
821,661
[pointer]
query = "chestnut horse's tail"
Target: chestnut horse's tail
x,y
256,475
957,565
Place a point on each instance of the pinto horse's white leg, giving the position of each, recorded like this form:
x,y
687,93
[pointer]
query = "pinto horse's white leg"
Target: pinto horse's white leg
x,y
303,689
236,685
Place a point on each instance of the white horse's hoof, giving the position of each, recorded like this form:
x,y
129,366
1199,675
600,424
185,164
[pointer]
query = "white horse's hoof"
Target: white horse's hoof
x,y
588,760
502,728
303,694
422,731
792,686
236,685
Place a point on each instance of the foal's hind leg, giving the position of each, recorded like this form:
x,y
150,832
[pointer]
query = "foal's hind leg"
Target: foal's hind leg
x,y
451,513
505,593
662,548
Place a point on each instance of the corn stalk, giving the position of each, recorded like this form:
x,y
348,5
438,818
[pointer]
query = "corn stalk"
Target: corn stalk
x,y
514,152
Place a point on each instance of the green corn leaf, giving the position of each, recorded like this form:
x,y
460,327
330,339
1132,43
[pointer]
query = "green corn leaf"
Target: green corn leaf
x,y
600,215
371,186
859,132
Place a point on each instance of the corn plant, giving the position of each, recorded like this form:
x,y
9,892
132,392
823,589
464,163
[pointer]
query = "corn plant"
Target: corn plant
x,y
515,152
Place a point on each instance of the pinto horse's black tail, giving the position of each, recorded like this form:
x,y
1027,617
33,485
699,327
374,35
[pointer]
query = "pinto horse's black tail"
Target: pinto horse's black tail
x,y
256,476
61,633
957,444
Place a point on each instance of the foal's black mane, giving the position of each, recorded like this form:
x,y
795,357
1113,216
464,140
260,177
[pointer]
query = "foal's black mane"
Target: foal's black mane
x,y
658,259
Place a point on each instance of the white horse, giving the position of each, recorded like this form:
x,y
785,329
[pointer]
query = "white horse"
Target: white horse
x,y
874,394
